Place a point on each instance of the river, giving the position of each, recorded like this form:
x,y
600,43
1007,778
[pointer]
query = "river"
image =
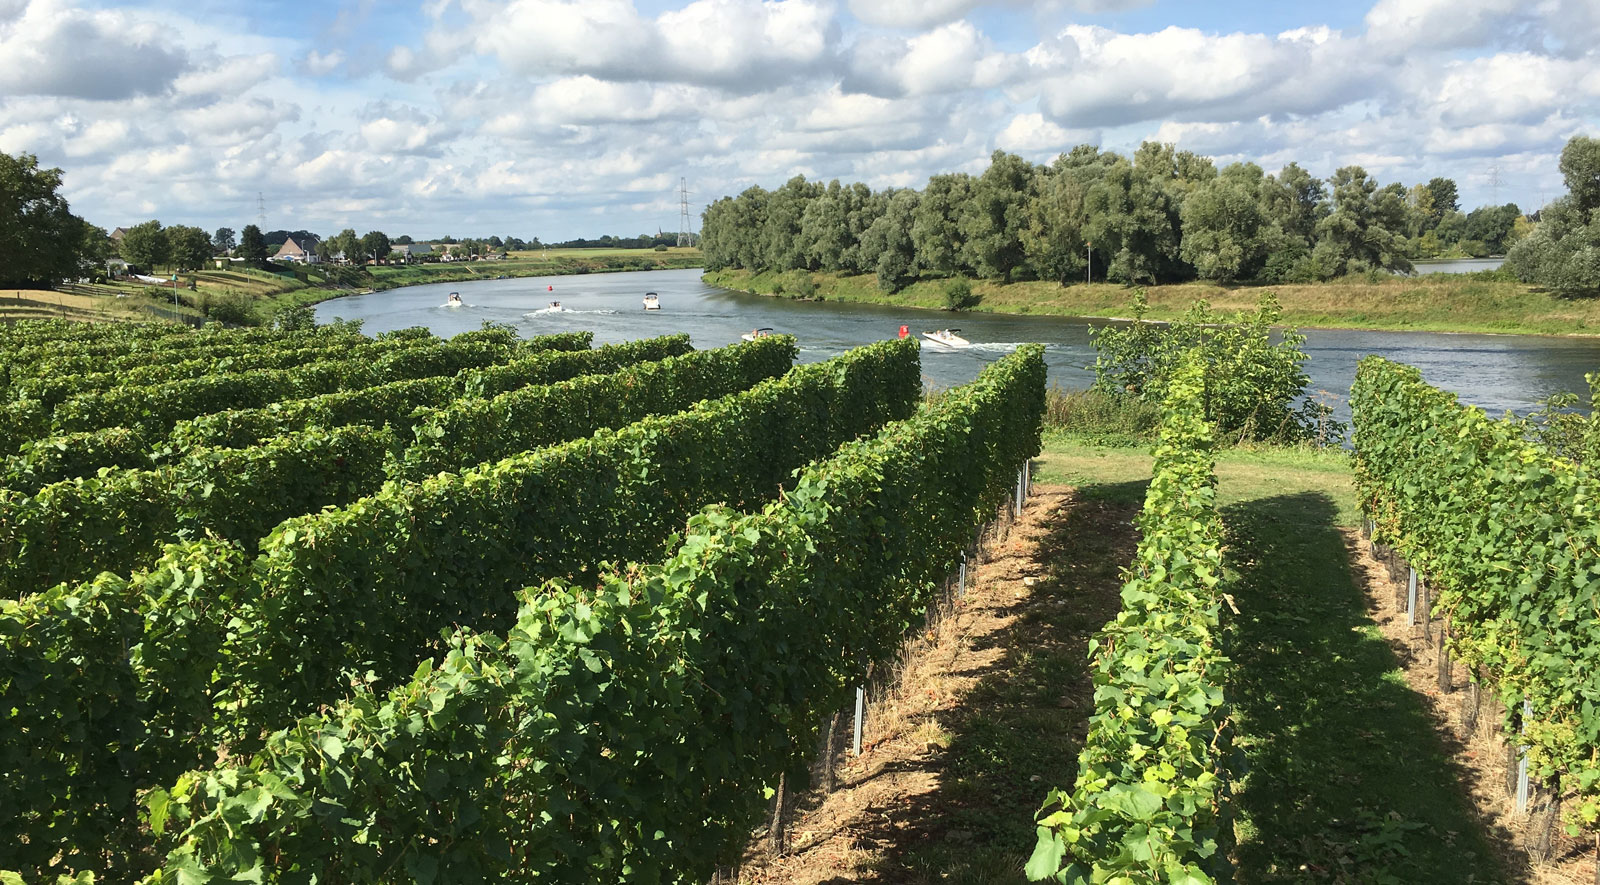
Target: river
x,y
1497,372
1457,265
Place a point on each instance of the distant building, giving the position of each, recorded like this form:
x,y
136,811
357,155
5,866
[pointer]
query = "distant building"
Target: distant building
x,y
410,252
292,251
118,234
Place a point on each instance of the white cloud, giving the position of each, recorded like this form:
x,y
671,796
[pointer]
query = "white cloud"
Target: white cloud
x,y
926,13
1406,25
321,64
228,76
950,58
1095,77
1030,134
53,49
733,44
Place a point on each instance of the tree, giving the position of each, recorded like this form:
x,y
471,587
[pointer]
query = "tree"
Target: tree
x,y
1133,223
1295,203
886,245
935,228
146,245
253,246
189,248
41,241
1364,230
782,247
1492,227
1053,233
223,240
1224,226
1580,168
376,245
1563,250
991,222
95,247
1443,199
348,243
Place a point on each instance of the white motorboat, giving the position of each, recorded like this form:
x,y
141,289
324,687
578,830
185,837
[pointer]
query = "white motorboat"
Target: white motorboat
x,y
947,337
454,300
763,332
651,302
555,307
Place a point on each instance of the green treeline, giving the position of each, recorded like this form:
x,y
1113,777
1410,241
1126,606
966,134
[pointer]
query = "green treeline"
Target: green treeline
x,y
1162,215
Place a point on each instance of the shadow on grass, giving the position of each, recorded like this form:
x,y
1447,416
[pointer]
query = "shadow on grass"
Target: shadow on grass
x,y
1344,778
1018,732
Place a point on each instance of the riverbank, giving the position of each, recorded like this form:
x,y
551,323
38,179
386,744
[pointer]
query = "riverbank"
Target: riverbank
x,y
1432,303
551,263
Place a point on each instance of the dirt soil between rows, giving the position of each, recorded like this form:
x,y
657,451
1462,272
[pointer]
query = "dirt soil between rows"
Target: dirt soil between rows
x,y
913,807
1469,724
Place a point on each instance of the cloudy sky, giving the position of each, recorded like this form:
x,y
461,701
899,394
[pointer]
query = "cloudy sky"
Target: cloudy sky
x,y
561,118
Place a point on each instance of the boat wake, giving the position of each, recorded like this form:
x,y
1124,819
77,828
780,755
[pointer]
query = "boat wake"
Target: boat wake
x,y
545,311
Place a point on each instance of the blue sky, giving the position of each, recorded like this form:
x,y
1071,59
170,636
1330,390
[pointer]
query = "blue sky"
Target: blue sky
x,y
562,118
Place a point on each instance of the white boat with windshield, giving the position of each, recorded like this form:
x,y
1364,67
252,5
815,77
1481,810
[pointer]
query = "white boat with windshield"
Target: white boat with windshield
x,y
651,302
763,332
947,337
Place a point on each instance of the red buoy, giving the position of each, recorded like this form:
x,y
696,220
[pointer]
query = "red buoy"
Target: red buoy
x,y
904,331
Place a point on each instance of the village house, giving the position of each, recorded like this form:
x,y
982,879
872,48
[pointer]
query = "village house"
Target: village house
x,y
292,251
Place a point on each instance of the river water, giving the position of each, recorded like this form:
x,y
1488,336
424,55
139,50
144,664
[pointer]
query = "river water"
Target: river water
x,y
1497,372
1457,265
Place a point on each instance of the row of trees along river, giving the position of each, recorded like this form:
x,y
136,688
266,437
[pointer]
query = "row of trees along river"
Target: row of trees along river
x,y
1162,215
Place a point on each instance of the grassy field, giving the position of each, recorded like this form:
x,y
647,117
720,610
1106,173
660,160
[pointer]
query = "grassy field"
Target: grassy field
x,y
1436,302
43,304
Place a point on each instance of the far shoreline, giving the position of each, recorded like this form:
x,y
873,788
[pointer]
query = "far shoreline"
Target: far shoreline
x,y
1434,304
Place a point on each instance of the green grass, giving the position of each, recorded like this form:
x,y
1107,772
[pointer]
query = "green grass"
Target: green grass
x,y
1340,776
1344,778
1435,302
558,262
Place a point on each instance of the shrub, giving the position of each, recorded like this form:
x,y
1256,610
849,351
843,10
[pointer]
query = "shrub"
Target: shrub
x,y
295,318
1255,389
801,285
233,308
958,295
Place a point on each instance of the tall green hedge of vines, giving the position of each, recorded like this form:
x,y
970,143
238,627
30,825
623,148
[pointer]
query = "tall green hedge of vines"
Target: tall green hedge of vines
x,y
1509,538
74,653
624,728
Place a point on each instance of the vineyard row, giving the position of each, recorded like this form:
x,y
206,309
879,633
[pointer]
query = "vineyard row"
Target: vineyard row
x,y
119,520
123,683
1509,538
1146,804
624,726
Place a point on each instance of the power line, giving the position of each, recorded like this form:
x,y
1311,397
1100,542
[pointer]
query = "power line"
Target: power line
x,y
683,211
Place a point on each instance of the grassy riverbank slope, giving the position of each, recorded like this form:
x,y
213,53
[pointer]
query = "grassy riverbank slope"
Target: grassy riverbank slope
x,y
553,262
1435,303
